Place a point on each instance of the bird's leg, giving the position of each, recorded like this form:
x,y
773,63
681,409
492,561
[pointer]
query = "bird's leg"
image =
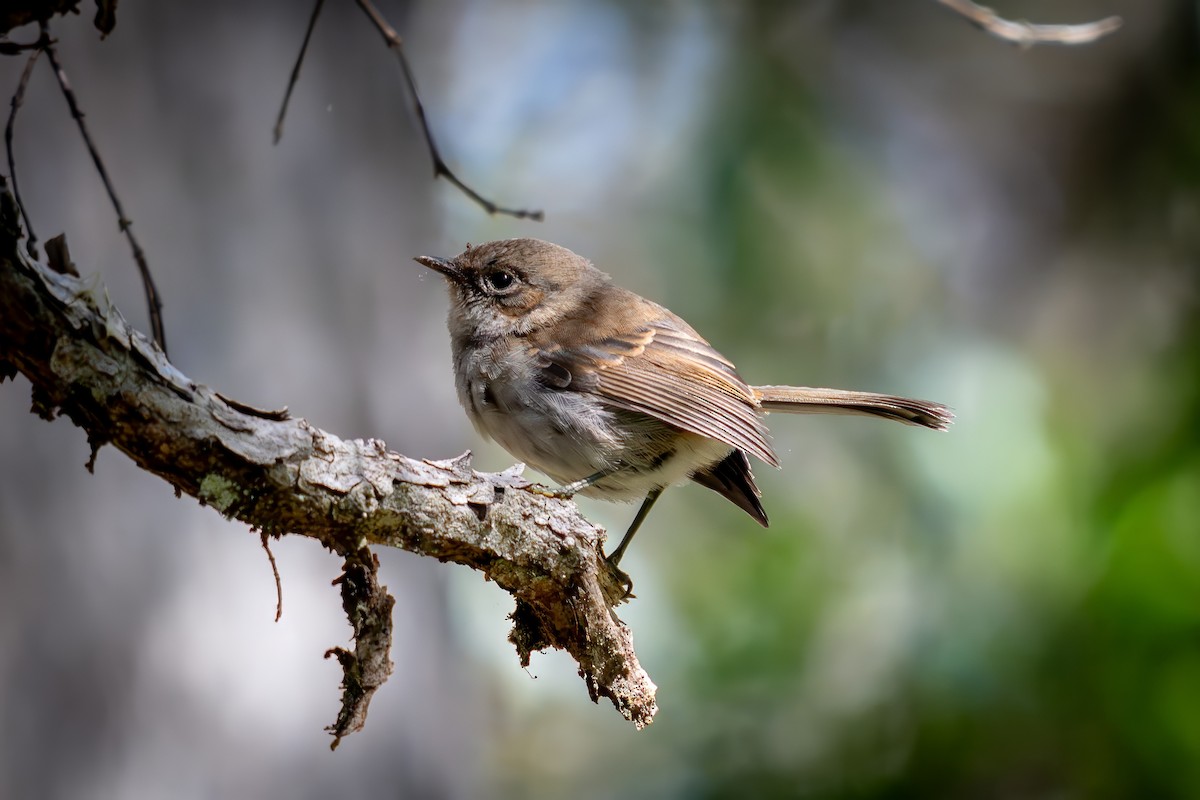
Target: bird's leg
x,y
567,491
647,504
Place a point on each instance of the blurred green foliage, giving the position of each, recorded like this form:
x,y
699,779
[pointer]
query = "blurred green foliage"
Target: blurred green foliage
x,y
1009,611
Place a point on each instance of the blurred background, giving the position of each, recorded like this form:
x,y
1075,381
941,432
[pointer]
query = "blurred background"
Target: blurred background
x,y
867,194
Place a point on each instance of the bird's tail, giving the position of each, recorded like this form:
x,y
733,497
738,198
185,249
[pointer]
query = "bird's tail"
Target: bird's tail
x,y
806,400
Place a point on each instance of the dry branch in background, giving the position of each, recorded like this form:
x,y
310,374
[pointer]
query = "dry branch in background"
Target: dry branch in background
x,y
394,43
1027,34
14,106
277,134
153,299
20,13
281,475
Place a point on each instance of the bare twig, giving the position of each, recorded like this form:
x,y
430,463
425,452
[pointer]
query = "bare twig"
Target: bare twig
x,y
1027,34
18,98
152,298
440,169
396,45
287,96
282,475
266,545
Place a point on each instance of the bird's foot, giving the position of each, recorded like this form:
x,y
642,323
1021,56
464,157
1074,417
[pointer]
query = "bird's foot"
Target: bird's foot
x,y
621,578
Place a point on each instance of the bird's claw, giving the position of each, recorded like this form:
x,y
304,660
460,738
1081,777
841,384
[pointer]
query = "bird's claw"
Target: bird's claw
x,y
621,578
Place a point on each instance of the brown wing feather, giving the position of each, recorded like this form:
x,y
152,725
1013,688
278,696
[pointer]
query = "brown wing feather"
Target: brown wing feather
x,y
667,371
733,480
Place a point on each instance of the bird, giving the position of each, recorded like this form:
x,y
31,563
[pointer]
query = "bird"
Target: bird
x,y
610,394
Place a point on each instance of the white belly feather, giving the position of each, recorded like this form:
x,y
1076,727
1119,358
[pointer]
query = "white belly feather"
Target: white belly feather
x,y
572,435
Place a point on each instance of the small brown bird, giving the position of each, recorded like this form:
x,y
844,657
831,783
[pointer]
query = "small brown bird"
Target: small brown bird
x,y
610,394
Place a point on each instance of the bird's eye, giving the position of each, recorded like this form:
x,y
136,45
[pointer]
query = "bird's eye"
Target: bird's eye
x,y
500,279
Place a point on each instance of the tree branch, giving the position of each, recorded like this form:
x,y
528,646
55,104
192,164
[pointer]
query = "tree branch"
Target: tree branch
x,y
281,475
1027,34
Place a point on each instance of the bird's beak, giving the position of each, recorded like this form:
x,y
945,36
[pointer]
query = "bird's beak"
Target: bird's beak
x,y
442,265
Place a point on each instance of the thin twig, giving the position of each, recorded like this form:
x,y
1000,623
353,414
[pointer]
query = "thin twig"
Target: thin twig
x,y
266,545
440,169
287,96
126,225
18,98
1027,34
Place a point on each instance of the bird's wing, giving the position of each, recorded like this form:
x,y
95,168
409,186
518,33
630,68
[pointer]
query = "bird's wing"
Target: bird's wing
x,y
667,371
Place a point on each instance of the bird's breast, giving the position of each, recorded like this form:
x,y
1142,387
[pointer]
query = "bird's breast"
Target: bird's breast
x,y
570,435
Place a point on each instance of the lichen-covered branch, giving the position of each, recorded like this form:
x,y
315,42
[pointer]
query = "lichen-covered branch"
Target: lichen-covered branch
x,y
281,475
